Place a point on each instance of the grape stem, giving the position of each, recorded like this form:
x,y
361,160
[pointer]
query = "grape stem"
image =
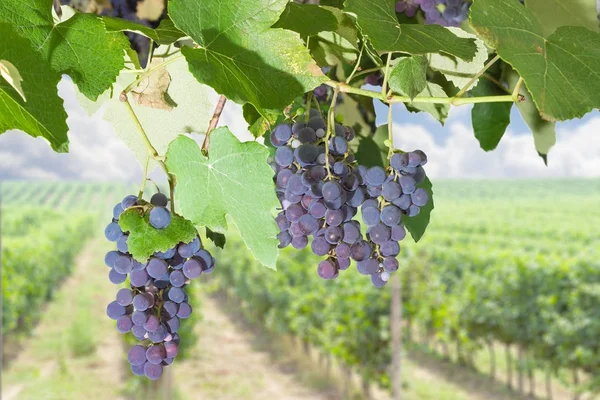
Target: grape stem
x,y
151,149
515,94
477,76
330,130
367,71
141,194
455,101
213,122
390,133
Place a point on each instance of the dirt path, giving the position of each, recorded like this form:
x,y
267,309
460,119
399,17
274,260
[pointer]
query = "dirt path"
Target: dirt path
x,y
73,353
227,365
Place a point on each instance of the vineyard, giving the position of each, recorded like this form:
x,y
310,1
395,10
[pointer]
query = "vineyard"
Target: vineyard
x,y
517,267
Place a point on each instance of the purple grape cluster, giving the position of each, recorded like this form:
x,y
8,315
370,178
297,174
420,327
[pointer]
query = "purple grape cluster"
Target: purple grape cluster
x,y
441,12
316,203
155,301
321,188
393,195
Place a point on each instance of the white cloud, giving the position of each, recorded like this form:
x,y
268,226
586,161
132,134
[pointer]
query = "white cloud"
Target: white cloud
x,y
576,154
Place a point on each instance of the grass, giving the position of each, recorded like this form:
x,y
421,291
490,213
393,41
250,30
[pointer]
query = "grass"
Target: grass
x,y
73,353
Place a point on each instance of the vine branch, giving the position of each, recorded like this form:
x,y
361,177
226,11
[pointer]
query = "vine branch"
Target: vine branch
x,y
357,65
456,101
213,122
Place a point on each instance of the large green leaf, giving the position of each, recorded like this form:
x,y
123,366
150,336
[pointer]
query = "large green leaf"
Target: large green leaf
x,y
240,56
418,225
234,180
490,120
562,71
306,19
409,76
377,21
555,13
437,111
43,113
145,240
79,47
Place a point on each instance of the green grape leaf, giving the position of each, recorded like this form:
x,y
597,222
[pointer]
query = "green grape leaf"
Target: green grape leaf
x,y
417,225
42,114
190,113
554,13
544,132
457,71
217,238
371,149
409,76
93,64
562,71
437,111
165,33
346,27
235,180
145,240
258,124
240,56
490,120
306,19
377,20
329,48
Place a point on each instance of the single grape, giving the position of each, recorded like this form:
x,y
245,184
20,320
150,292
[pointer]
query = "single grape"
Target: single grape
x,y
153,371
113,232
159,335
159,200
413,210
282,133
320,246
389,248
342,250
308,224
160,217
116,278
399,161
173,324
141,302
139,317
391,191
123,264
124,297
333,234
138,370
379,233
327,269
166,255
403,202
414,160
284,156
307,135
360,250
129,201
317,209
117,211
306,154
110,258
124,324
185,310
368,266
284,239
351,233
122,244
156,267
419,197
170,308
377,281
114,310
192,269
137,355
343,263
177,278
171,349
155,354
139,278
152,323
376,176
391,215
390,264
371,216
408,184
176,294
139,332
398,233
331,191
334,217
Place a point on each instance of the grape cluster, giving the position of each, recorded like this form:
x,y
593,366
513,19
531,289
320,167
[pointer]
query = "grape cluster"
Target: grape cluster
x,y
441,12
321,187
392,195
318,202
155,302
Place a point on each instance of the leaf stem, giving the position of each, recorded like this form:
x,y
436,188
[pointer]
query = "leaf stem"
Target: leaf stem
x,y
473,79
213,122
150,71
151,149
344,88
357,65
496,81
330,129
144,179
515,93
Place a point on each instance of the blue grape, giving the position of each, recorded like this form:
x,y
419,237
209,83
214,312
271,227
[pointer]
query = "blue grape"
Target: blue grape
x,y
399,161
338,145
342,250
160,217
403,202
391,191
110,258
116,278
390,264
113,232
139,317
171,349
129,201
176,294
282,133
306,154
192,269
155,354
137,355
124,297
137,370
351,233
420,197
327,269
343,263
284,156
360,250
173,324
124,324
306,135
159,200
170,308
141,302
334,217
177,278
375,176
379,233
114,310
117,211
389,248
317,123
156,267
370,215
377,281
408,184
333,234
331,191
153,371
368,266
320,246
139,278
284,239
413,211
391,215
185,310
152,323
398,233
122,244
166,254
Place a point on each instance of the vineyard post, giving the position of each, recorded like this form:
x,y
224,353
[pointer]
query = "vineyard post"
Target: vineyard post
x,y
396,327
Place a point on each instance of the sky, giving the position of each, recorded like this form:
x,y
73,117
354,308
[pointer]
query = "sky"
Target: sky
x,y
453,152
